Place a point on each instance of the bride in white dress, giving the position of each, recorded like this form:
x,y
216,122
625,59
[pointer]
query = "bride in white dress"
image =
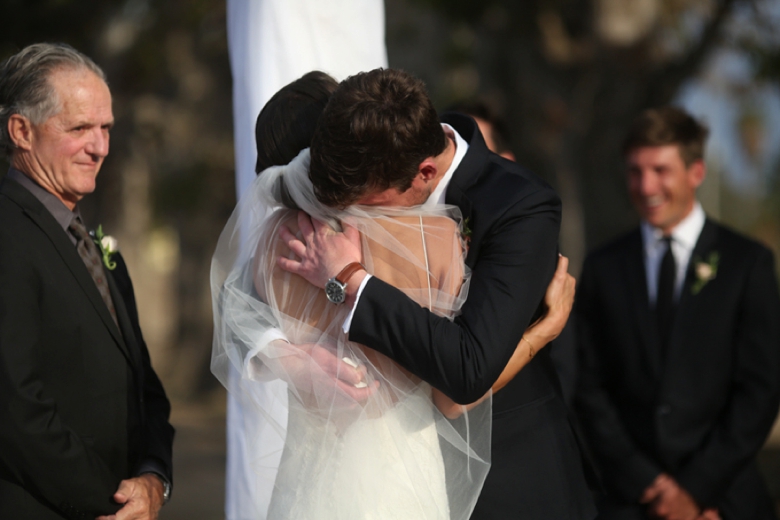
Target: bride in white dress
x,y
385,445
393,454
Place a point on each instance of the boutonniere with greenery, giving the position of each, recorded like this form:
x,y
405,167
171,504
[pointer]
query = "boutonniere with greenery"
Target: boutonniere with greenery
x,y
705,271
465,231
108,247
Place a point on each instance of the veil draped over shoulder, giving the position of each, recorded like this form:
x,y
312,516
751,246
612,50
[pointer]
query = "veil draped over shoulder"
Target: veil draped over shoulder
x,y
393,455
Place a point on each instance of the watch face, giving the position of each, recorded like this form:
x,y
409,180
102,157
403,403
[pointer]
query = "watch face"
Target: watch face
x,y
335,291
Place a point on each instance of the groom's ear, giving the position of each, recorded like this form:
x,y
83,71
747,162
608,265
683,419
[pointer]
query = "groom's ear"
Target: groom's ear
x,y
428,170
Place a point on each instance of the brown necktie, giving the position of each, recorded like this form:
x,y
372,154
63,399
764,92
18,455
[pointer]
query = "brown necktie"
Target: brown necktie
x,y
89,254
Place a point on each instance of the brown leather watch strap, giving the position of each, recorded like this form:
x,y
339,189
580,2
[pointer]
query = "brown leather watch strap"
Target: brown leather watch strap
x,y
348,271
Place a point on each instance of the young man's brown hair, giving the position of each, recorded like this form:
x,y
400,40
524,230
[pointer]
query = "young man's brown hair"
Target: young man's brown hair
x,y
375,131
668,126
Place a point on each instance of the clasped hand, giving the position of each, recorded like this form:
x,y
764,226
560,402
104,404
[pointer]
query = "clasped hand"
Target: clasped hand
x,y
141,499
667,500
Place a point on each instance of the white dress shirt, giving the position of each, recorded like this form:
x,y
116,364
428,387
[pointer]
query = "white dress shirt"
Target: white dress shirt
x,y
684,238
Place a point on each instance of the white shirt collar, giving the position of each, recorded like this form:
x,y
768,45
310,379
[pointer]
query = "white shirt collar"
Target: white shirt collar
x,y
438,195
684,238
685,234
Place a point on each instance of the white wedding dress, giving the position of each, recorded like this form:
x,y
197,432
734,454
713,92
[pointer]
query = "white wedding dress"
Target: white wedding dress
x,y
363,472
392,455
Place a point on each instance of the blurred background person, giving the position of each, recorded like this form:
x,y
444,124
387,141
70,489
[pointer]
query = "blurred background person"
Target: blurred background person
x,y
679,331
492,126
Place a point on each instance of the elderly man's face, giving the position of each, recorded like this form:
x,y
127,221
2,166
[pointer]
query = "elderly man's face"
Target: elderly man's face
x,y
67,150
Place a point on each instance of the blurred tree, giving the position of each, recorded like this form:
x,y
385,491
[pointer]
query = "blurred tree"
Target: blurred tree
x,y
569,75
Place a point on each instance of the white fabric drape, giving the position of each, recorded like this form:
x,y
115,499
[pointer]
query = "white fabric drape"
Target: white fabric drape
x,y
271,43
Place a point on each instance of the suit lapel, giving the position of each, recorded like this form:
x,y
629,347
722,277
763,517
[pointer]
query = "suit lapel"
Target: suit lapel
x,y
705,245
466,175
49,226
637,285
689,302
125,324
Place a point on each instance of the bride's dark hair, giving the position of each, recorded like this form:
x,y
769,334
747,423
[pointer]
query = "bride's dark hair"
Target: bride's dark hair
x,y
286,124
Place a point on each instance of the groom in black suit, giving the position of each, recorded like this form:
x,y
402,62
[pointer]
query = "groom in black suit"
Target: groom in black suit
x,y
679,325
84,427
380,142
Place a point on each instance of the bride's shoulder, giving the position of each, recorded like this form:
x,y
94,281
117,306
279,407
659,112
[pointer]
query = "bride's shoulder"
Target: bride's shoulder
x,y
413,223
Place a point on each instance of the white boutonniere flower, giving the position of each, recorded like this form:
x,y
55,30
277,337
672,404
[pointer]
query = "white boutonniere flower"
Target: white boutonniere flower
x,y
705,271
108,247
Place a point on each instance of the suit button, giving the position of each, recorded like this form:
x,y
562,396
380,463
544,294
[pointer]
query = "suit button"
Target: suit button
x,y
664,409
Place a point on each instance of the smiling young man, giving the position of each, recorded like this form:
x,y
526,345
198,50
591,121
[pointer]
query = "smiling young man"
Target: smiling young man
x,y
678,325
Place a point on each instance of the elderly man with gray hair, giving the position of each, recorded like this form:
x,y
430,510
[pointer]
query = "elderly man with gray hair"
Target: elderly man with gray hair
x,y
84,431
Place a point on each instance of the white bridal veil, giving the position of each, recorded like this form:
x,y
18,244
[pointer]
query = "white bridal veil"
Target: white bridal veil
x,y
390,455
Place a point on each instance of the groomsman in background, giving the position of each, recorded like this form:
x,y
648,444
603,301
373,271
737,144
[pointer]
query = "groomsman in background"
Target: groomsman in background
x,y
492,127
679,329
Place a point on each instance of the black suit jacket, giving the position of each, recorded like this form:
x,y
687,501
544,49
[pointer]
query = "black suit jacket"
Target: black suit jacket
x,y
702,411
536,467
80,404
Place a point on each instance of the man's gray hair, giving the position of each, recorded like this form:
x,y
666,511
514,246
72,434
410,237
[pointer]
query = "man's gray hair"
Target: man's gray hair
x,y
25,88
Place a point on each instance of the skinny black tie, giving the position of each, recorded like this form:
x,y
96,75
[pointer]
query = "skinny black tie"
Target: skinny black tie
x,y
664,305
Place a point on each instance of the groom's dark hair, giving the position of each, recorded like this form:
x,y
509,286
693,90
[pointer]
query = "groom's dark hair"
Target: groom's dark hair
x,y
375,131
668,126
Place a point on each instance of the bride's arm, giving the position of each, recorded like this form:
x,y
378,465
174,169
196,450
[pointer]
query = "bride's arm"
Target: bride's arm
x,y
307,367
559,299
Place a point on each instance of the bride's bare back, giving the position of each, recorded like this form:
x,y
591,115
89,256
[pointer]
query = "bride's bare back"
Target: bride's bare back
x,y
421,255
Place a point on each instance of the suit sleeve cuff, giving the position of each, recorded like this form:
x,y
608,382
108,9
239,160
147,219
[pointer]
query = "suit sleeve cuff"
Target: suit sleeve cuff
x,y
152,465
258,371
635,477
704,488
348,322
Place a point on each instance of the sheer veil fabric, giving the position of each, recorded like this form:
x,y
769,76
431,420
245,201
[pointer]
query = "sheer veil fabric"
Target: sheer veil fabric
x,y
392,456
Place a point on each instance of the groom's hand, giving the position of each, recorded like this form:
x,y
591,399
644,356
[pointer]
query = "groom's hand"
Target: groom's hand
x,y
322,252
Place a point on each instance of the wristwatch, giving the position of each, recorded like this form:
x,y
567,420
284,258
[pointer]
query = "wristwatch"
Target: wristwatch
x,y
166,491
336,287
166,485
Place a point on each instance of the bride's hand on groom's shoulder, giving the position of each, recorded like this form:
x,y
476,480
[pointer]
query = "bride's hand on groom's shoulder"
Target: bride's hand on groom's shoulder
x,y
559,297
559,300
320,251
